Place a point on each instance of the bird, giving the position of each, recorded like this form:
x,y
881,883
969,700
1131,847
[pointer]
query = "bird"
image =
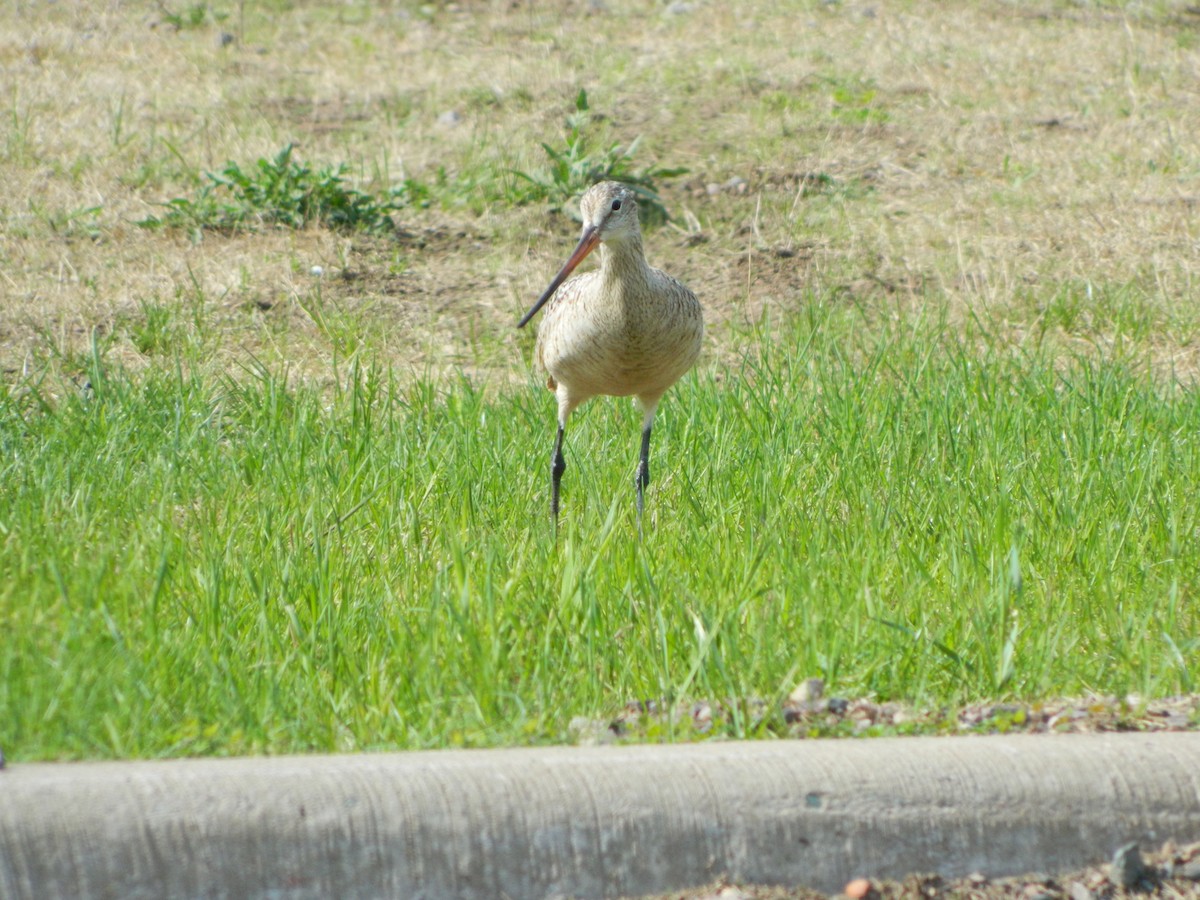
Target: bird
x,y
625,329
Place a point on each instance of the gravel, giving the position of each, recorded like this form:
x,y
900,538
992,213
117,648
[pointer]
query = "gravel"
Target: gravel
x,y
810,711
1161,873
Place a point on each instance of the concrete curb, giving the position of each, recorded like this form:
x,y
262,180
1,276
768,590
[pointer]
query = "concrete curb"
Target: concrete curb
x,y
590,822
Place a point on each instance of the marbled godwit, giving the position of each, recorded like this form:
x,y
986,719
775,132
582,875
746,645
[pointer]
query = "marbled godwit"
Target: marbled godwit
x,y
625,329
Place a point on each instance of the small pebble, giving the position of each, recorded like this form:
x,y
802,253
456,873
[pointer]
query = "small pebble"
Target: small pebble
x,y
450,118
589,732
1189,871
1127,866
857,889
1078,892
808,691
728,892
224,39
317,270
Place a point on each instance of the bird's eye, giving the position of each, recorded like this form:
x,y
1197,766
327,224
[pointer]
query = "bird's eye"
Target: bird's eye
x,y
616,205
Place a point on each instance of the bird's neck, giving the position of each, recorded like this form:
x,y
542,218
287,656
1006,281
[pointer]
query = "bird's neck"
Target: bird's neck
x,y
624,259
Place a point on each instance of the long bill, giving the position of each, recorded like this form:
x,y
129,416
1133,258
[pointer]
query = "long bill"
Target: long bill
x,y
587,243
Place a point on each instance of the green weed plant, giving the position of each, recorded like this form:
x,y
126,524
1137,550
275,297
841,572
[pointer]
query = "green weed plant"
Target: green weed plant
x,y
580,163
282,192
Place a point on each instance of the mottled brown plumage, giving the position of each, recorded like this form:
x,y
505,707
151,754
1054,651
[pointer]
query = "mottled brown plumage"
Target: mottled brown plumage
x,y
626,329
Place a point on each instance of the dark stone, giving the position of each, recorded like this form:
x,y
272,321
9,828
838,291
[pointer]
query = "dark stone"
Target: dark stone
x,y
1128,868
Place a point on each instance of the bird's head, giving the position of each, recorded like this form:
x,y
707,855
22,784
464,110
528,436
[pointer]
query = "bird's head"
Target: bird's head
x,y
611,209
609,212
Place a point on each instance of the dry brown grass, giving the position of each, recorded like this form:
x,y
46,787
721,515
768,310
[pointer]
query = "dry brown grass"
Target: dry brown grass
x,y
1033,164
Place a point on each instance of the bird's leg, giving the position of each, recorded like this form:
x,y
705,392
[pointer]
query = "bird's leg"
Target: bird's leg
x,y
558,465
642,478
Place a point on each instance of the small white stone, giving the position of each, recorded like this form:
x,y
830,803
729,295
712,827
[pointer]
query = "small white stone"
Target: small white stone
x,y
317,270
809,690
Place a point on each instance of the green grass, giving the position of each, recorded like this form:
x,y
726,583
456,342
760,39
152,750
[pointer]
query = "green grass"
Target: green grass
x,y
197,563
